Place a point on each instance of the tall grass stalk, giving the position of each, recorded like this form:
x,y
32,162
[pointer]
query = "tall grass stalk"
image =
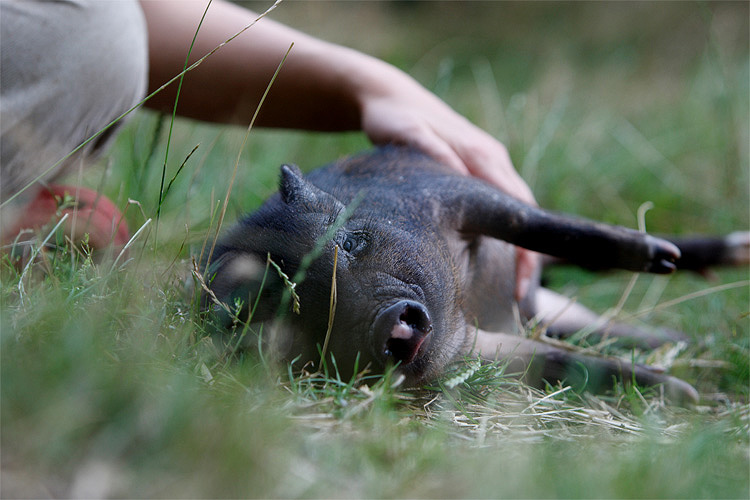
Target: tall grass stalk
x,y
171,122
239,155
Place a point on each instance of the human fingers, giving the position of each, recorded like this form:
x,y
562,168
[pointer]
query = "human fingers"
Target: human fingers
x,y
386,122
487,158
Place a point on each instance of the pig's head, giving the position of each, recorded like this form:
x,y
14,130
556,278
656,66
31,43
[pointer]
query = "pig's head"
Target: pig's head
x,y
397,294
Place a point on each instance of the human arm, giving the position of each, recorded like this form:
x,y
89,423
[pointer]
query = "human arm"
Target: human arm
x,y
322,86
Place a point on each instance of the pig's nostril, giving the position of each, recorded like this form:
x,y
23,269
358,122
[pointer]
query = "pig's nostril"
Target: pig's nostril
x,y
416,318
407,331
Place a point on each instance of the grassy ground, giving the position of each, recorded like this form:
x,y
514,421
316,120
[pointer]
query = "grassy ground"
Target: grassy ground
x,y
109,387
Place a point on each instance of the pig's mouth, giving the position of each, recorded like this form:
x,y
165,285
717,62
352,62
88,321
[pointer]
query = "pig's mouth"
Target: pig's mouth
x,y
404,330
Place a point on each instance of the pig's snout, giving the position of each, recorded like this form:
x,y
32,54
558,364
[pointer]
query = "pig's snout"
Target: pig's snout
x,y
403,328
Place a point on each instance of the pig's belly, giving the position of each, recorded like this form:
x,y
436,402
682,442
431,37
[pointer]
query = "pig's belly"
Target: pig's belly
x,y
488,267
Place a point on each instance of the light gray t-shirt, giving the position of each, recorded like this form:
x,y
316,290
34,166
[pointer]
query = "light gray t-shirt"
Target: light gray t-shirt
x,y
68,68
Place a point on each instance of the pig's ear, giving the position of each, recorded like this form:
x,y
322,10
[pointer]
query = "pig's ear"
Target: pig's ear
x,y
237,276
294,188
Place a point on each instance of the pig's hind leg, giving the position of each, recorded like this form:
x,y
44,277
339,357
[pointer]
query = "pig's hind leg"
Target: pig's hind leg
x,y
538,362
563,317
700,253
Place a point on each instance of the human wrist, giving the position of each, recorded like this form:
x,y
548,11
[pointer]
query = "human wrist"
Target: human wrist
x,y
362,79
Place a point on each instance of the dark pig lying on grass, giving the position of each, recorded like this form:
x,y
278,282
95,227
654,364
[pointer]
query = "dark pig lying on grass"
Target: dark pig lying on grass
x,y
424,266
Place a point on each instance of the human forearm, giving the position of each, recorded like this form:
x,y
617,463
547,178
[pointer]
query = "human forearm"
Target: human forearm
x,y
316,89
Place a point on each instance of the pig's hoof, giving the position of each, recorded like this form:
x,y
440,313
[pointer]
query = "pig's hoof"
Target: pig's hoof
x,y
680,391
677,390
403,329
737,249
663,255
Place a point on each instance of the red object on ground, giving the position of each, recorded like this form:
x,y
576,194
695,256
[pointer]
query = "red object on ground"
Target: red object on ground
x,y
90,213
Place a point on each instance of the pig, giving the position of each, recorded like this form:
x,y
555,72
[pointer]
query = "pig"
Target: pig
x,y
424,263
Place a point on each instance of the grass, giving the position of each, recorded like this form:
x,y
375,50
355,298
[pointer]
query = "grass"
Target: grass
x,y
110,386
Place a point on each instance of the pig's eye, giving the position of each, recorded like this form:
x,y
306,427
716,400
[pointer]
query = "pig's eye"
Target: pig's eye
x,y
353,242
350,243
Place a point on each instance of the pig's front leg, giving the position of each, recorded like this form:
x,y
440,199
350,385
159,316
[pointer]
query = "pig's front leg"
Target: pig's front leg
x,y
485,211
539,362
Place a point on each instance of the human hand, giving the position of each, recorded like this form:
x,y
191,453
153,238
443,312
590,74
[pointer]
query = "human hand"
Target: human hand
x,y
411,115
